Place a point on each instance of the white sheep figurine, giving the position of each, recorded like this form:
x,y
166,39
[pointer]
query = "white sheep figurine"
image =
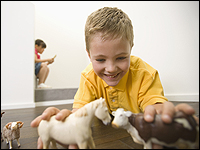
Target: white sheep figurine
x,y
76,128
182,133
11,131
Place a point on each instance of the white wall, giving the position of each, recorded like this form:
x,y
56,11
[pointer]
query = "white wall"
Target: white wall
x,y
166,36
61,26
17,54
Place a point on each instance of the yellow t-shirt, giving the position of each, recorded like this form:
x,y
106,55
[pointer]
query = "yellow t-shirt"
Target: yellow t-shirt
x,y
140,86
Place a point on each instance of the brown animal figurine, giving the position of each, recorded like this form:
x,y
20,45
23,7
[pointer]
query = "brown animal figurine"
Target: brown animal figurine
x,y
2,113
182,133
1,133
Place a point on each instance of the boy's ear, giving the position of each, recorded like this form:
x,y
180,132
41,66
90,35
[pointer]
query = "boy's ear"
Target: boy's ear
x,y
88,53
36,46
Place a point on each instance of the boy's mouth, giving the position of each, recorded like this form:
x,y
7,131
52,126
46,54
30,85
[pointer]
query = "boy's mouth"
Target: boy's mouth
x,y
112,76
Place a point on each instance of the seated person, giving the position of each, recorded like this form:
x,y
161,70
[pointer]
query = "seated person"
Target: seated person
x,y
41,65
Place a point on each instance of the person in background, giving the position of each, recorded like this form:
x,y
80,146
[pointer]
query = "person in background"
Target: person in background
x,y
123,80
41,65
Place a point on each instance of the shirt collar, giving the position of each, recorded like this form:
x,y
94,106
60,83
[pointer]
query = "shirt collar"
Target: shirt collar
x,y
121,85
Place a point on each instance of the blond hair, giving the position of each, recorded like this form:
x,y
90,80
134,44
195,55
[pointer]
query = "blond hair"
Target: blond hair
x,y
111,22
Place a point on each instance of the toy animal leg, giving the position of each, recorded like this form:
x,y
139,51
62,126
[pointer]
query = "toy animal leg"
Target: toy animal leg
x,y
82,145
46,144
18,143
7,141
2,138
183,145
136,140
91,144
10,144
53,144
148,145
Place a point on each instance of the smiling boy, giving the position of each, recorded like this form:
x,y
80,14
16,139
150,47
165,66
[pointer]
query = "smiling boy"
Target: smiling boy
x,y
125,81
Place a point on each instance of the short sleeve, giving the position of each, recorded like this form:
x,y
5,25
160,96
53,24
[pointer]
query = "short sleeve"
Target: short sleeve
x,y
84,94
151,91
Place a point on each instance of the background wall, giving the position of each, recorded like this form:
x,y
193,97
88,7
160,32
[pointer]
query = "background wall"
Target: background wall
x,y
166,36
17,54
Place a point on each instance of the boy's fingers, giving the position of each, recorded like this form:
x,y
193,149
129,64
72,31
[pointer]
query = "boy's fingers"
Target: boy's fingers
x,y
50,111
168,112
196,119
74,146
39,144
36,121
149,113
63,114
187,109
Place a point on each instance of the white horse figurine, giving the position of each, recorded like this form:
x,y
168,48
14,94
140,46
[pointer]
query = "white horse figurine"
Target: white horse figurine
x,y
76,128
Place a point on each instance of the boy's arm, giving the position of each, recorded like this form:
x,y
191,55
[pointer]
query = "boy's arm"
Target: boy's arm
x,y
151,91
49,60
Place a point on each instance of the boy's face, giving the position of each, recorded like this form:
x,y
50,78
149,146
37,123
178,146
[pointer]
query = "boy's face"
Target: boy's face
x,y
110,58
39,49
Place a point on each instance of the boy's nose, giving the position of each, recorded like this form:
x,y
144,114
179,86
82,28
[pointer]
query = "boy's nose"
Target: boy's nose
x,y
110,67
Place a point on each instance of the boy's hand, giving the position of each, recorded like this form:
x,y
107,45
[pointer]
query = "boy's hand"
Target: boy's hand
x,y
46,115
50,60
50,111
167,110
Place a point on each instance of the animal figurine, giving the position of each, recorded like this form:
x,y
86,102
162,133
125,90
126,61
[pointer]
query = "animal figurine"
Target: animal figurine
x,y
76,128
11,131
1,133
182,133
2,114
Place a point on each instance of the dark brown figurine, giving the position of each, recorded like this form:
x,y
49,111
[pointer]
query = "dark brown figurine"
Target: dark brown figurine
x,y
182,133
1,133
2,113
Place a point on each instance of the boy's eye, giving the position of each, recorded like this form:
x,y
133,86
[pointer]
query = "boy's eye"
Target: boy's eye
x,y
100,60
121,58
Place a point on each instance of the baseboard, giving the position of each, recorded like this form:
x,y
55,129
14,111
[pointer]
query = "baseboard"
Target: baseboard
x,y
17,106
68,93
173,98
56,102
183,98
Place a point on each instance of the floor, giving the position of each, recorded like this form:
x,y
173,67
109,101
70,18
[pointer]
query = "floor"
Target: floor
x,y
105,137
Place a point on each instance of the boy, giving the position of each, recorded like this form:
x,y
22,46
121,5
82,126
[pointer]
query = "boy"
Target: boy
x,y
123,80
41,68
